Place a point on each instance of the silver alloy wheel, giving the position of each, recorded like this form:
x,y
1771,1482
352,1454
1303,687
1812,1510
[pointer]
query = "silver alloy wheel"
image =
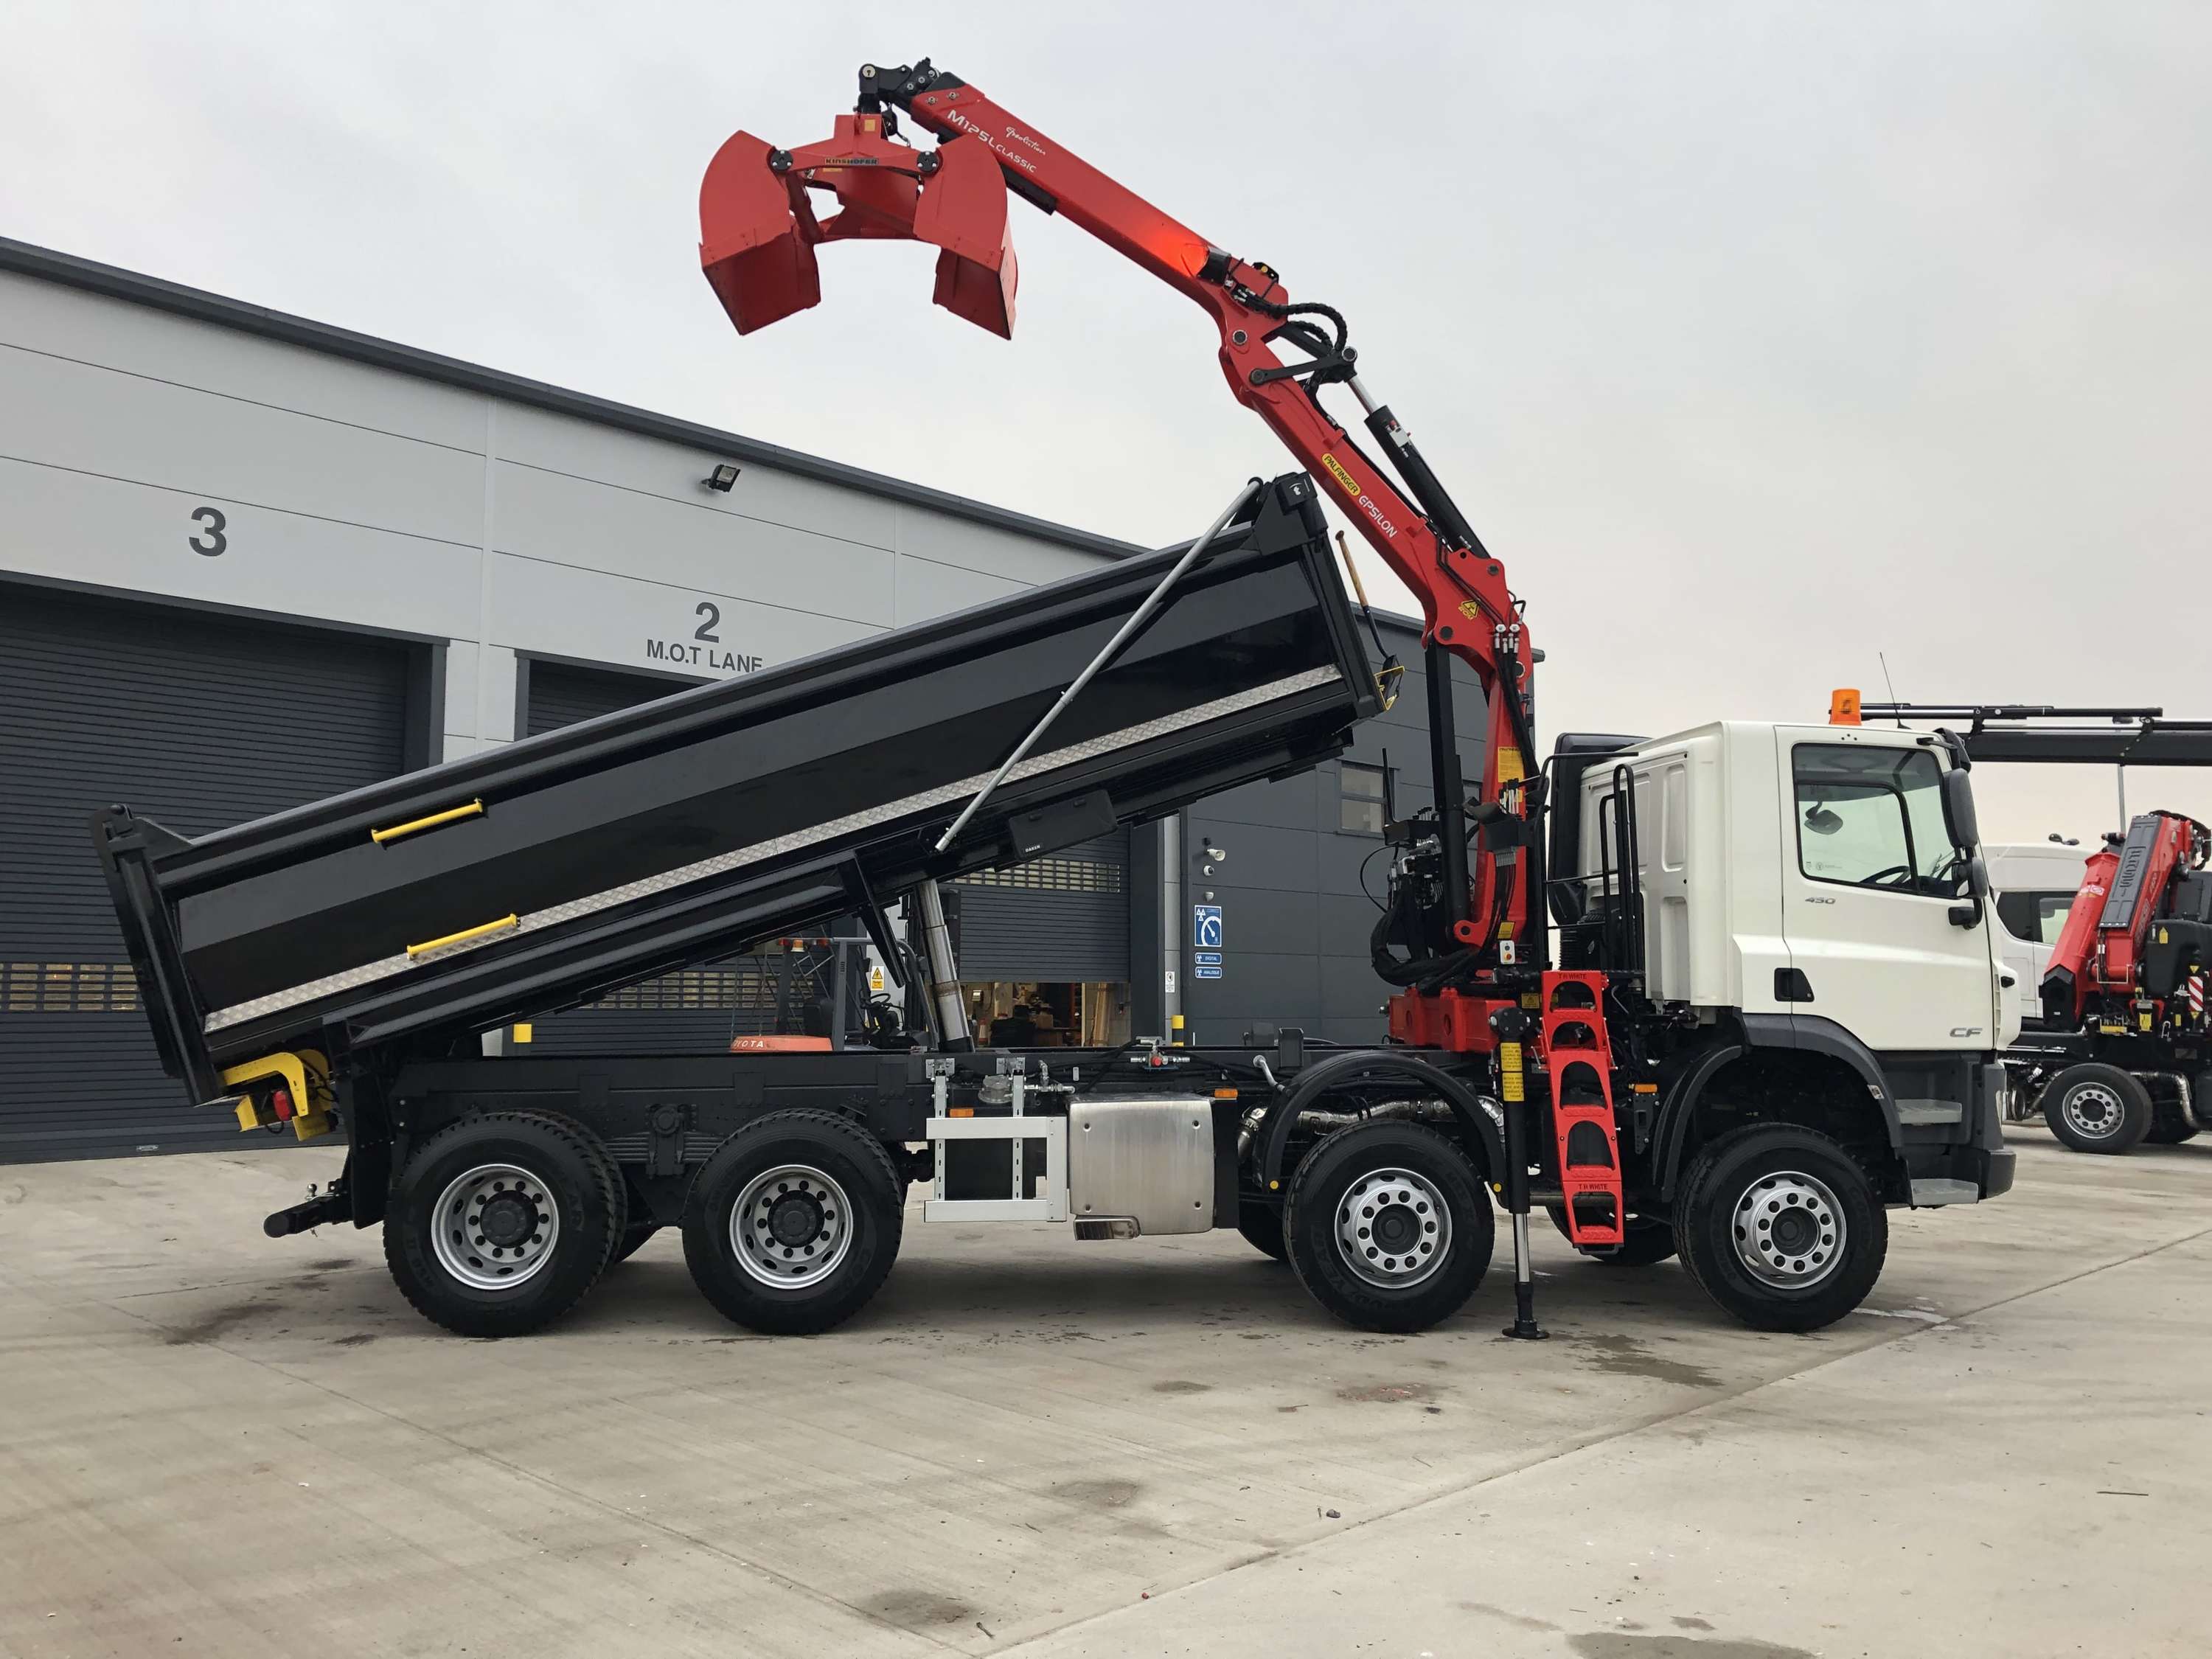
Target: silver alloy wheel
x,y
2093,1111
1789,1229
494,1226
791,1227
1392,1228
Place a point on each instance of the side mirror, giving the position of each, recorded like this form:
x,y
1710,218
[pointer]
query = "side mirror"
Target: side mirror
x,y
1969,915
1959,804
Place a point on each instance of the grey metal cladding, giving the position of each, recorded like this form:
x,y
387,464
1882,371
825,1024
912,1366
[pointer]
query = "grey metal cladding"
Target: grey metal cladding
x,y
94,277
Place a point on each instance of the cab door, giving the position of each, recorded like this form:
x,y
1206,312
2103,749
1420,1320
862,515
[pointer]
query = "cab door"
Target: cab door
x,y
1868,892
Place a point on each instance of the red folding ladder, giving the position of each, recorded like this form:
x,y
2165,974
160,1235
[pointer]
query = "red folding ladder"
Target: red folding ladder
x,y
1580,1061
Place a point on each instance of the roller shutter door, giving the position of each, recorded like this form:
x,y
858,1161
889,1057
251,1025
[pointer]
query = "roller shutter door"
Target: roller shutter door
x,y
555,695
1064,917
197,722
695,1011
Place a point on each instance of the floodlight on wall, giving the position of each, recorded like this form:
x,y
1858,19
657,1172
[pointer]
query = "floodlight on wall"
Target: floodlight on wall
x,y
722,479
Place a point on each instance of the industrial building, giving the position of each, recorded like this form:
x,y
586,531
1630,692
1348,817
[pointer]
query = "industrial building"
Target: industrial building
x,y
250,561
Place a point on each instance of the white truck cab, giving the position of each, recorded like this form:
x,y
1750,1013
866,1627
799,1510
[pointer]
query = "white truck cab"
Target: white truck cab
x,y
2034,883
1815,910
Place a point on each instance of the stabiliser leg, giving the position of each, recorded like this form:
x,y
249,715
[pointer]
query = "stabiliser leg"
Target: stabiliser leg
x,y
1511,1025
1524,1328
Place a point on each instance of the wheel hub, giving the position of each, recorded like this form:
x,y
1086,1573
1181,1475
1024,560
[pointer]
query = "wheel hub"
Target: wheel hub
x,y
1788,1229
1393,1229
506,1218
2092,1110
791,1227
494,1227
795,1219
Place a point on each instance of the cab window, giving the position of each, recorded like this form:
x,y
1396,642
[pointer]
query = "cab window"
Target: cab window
x,y
2034,917
1875,817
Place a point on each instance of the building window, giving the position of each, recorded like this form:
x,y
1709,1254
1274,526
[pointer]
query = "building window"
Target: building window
x,y
1359,799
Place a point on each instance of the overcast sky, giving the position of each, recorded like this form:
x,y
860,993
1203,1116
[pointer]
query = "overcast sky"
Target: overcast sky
x,y
1756,338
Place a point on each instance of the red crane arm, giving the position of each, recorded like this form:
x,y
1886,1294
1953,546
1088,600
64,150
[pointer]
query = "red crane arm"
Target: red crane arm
x,y
758,233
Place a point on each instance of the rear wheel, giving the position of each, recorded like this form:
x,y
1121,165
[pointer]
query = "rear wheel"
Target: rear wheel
x,y
2171,1122
2168,1128
1387,1225
1649,1240
618,1222
1781,1228
1261,1225
2096,1108
498,1225
793,1222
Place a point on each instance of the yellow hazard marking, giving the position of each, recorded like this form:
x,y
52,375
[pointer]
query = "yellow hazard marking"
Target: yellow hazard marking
x,y
476,932
1469,608
1336,471
1509,766
452,814
305,1074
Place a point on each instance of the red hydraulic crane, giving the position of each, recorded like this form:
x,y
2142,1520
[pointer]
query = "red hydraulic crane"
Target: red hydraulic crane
x,y
758,233
2134,885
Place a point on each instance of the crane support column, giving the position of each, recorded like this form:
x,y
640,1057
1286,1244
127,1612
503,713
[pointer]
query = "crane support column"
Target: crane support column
x,y
944,973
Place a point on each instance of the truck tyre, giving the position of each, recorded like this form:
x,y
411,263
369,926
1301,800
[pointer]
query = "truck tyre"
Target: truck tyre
x,y
1387,1225
793,1222
1780,1227
619,1223
498,1225
633,1239
2169,1125
1261,1225
1649,1242
2096,1108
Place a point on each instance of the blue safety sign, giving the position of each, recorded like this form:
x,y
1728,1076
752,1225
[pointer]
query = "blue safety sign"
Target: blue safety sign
x,y
1206,958
1206,926
1207,972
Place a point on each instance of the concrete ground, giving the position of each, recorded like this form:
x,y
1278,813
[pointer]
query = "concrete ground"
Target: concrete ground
x,y
213,1444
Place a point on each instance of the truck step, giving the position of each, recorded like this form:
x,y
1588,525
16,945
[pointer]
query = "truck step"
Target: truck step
x,y
1910,1112
1579,1058
1927,1194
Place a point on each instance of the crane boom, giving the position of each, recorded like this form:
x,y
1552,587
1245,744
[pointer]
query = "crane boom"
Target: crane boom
x,y
758,231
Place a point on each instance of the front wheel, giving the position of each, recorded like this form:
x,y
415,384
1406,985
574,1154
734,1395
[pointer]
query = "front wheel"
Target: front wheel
x,y
2096,1108
1781,1227
1262,1227
1387,1225
793,1222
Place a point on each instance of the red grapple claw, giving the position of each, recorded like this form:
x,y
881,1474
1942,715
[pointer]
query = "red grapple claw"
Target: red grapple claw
x,y
757,231
757,236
